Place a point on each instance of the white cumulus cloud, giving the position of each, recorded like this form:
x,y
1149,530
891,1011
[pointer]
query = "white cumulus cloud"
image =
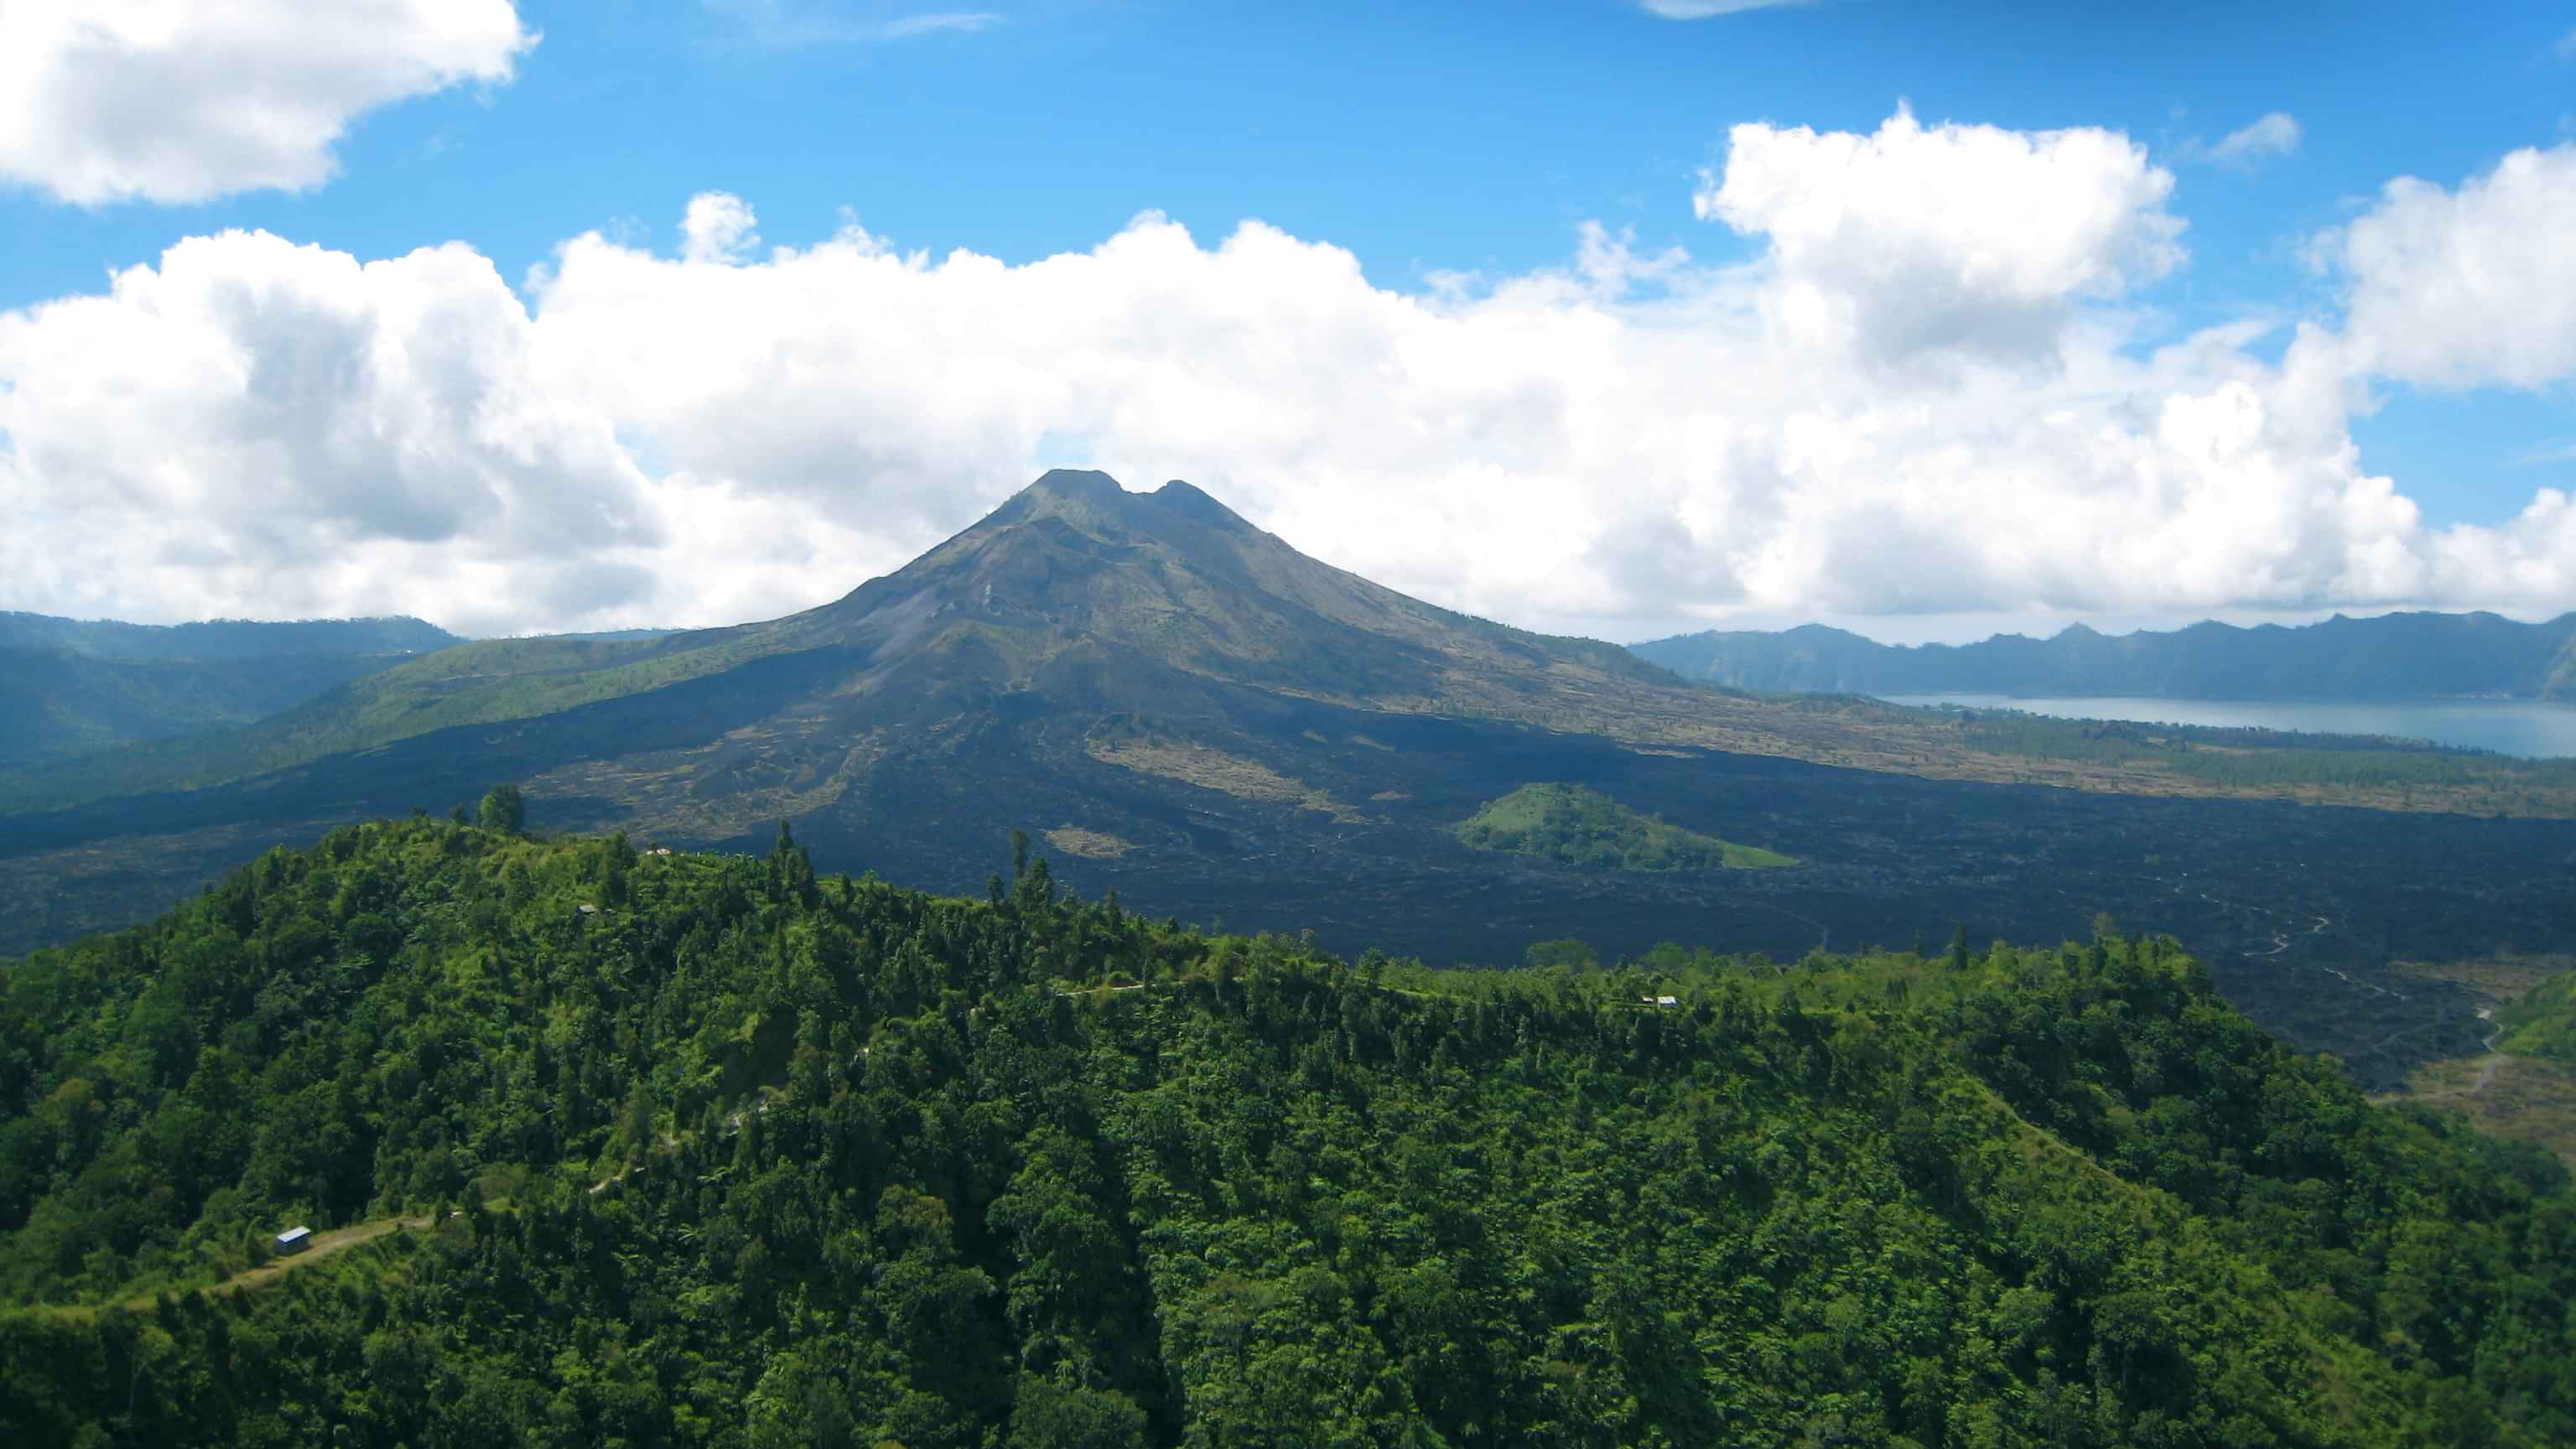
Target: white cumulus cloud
x,y
259,427
1943,238
2458,288
1899,406
717,227
165,100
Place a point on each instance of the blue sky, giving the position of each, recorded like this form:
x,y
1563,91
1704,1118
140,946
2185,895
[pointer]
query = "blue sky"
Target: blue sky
x,y
1448,136
1425,140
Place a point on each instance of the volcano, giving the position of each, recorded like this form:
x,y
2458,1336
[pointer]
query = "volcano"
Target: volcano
x,y
1180,707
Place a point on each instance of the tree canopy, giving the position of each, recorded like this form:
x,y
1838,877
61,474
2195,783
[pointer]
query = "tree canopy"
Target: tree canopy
x,y
743,1156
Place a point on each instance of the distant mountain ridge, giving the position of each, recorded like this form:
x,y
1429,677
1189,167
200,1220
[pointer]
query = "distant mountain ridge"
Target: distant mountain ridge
x,y
2392,656
70,686
221,638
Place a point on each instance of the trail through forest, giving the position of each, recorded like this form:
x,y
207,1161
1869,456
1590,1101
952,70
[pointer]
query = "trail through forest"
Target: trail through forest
x,y
337,1240
324,1245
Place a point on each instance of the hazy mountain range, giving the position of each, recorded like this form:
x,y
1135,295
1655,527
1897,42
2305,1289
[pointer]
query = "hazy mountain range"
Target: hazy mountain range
x,y
220,638
70,685
2393,656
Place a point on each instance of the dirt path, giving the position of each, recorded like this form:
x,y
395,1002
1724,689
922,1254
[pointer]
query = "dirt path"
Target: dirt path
x,y
338,1240
2487,1064
664,1142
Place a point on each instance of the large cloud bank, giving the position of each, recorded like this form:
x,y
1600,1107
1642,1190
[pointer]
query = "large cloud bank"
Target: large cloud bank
x,y
167,100
1931,391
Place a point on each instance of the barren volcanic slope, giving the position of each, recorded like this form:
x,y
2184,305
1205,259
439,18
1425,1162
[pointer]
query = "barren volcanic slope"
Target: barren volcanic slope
x,y
1185,708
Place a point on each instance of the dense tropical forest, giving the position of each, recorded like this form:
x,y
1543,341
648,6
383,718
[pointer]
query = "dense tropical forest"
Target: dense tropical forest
x,y
700,1149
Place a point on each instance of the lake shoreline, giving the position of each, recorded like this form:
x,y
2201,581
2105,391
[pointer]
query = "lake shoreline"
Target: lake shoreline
x,y
2529,729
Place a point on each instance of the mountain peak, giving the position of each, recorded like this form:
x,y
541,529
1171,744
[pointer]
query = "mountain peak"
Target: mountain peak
x,y
1072,486
1084,483
1194,504
1099,504
1173,585
1085,497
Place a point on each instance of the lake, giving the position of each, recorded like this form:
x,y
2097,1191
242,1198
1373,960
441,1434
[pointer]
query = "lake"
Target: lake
x,y
2528,728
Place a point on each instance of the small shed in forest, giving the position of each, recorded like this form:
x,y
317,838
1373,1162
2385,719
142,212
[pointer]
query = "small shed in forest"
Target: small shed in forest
x,y
295,1240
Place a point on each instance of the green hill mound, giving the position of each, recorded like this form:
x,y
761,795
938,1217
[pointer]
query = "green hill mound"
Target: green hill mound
x,y
741,1156
1587,828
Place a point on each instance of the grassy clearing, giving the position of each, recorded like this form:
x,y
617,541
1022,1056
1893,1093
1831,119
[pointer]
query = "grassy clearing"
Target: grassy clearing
x,y
2525,1099
2503,978
1089,844
1214,769
2524,1089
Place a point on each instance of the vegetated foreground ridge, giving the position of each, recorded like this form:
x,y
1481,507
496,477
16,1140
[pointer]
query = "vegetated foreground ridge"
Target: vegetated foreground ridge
x,y
745,1156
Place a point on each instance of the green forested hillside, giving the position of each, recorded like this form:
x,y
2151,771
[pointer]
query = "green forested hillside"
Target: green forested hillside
x,y
55,704
212,639
1587,828
2543,1022
744,1157
69,686
469,683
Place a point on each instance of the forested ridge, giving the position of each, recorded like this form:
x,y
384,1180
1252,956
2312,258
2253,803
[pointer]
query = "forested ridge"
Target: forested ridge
x,y
744,1156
